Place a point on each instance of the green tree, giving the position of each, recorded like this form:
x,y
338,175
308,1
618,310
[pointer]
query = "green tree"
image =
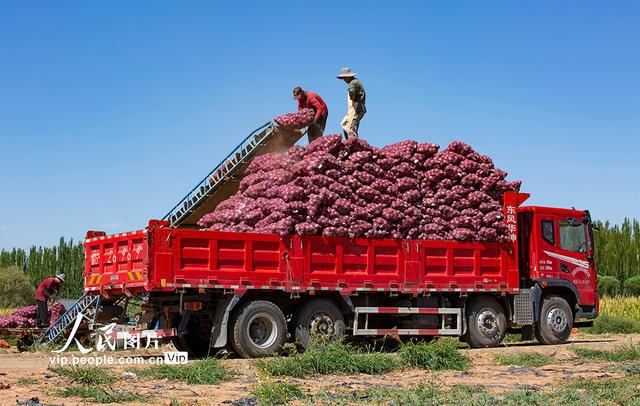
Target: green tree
x,y
15,288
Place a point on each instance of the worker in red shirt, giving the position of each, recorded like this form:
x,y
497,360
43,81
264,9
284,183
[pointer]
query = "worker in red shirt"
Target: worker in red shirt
x,y
45,290
311,100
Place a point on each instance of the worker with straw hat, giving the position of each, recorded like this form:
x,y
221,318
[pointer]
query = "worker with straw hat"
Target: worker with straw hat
x,y
355,103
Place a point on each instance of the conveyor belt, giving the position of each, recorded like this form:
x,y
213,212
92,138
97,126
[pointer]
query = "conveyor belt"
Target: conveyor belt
x,y
222,182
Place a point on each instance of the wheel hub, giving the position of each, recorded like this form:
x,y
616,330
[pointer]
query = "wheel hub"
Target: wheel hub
x,y
262,330
487,323
322,326
557,320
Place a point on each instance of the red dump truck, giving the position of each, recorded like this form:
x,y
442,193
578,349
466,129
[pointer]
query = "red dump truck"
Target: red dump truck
x,y
253,292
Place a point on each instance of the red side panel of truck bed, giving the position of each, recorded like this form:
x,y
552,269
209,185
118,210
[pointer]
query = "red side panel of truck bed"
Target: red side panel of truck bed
x,y
116,260
163,259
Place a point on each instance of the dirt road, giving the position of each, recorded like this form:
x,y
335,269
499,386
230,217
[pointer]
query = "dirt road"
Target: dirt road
x,y
29,375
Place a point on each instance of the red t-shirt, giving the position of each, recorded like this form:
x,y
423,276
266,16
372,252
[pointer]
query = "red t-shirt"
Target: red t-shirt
x,y
48,287
314,101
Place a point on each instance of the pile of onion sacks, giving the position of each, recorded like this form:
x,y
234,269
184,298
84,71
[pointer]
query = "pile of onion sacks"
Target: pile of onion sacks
x,y
26,316
406,190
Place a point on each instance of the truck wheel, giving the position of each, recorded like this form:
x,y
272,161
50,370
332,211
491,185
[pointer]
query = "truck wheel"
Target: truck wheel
x,y
319,321
258,329
197,339
556,321
486,322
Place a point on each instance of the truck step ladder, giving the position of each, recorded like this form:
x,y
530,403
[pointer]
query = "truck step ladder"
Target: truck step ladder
x,y
222,182
444,330
87,306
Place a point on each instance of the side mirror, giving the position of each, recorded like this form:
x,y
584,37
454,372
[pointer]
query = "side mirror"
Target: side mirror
x,y
573,222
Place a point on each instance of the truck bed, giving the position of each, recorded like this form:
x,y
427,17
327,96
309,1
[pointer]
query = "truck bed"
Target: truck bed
x,y
162,258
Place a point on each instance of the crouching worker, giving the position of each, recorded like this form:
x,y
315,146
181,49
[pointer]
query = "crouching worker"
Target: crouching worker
x,y
46,289
311,100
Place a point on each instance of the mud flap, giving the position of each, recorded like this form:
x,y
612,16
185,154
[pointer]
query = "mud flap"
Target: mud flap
x,y
221,320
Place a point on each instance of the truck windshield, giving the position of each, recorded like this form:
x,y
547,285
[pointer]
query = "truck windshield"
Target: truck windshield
x,y
572,237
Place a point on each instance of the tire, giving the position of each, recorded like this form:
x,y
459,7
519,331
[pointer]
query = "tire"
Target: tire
x,y
197,339
486,322
556,321
257,329
179,343
319,320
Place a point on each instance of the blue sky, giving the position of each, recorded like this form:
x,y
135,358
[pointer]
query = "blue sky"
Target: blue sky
x,y
111,111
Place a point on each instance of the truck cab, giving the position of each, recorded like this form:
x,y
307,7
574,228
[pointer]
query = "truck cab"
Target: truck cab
x,y
556,259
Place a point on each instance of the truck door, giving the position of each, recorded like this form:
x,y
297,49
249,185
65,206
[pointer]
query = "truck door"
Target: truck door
x,y
565,252
547,266
574,252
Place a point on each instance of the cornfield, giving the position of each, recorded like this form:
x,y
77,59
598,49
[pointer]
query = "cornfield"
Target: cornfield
x,y
6,312
626,307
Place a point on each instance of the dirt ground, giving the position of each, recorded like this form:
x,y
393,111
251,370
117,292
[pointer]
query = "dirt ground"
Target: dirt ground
x,y
21,369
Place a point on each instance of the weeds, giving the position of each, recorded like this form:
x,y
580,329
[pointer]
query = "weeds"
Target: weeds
x,y
13,341
206,371
340,358
99,394
421,394
332,358
277,392
26,381
426,393
624,353
609,392
529,359
85,375
606,324
512,338
434,356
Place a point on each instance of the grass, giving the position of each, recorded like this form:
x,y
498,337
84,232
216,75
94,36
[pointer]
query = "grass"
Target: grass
x,y
334,358
426,393
10,340
623,391
341,358
434,357
511,338
99,394
606,324
421,394
576,393
529,359
206,371
271,392
624,353
86,375
26,381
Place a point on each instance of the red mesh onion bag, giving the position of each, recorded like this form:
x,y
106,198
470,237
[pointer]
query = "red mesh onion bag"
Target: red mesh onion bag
x,y
297,120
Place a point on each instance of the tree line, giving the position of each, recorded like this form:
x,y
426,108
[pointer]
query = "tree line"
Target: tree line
x,y
617,256
42,262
